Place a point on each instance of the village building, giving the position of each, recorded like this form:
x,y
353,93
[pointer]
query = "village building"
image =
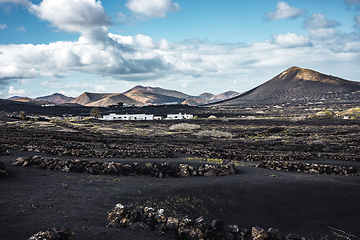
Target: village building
x,y
178,116
114,116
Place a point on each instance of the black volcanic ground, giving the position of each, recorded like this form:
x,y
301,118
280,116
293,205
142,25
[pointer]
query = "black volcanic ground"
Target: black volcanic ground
x,y
302,203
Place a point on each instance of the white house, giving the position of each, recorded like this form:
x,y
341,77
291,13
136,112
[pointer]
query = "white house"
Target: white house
x,y
178,116
114,116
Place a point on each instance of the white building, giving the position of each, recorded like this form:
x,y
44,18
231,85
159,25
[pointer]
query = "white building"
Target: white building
x,y
114,116
178,116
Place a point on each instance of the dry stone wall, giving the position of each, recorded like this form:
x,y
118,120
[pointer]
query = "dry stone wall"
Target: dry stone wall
x,y
53,234
187,227
308,167
159,170
3,172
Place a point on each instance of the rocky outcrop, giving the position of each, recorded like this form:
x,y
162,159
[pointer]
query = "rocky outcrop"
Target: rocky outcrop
x,y
54,234
3,150
186,227
309,167
160,170
3,172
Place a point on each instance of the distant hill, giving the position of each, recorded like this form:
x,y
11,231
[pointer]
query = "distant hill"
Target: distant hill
x,y
157,91
29,100
206,96
155,95
138,96
113,99
195,101
56,98
102,99
298,85
224,96
15,97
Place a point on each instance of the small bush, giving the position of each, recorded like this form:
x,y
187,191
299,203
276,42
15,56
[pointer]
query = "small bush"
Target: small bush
x,y
296,119
213,133
184,127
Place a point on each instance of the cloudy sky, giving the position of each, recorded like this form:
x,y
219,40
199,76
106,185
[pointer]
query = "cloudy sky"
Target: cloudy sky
x,y
73,46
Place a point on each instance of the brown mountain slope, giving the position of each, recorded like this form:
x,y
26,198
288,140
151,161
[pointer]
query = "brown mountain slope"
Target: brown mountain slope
x,y
102,99
195,101
157,91
150,95
298,85
113,99
30,100
57,98
206,96
224,96
87,98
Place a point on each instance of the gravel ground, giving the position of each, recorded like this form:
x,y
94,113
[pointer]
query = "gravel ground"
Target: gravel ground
x,y
34,199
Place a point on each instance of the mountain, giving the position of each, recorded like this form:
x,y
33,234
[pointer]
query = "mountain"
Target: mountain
x,y
15,97
195,101
87,97
298,85
206,96
140,95
28,100
158,91
155,95
113,99
102,99
56,98
224,96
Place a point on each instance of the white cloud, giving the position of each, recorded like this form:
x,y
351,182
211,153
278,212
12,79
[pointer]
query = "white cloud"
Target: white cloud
x,y
323,33
19,92
152,8
21,29
317,21
320,27
352,47
291,40
283,11
2,26
144,41
180,65
72,15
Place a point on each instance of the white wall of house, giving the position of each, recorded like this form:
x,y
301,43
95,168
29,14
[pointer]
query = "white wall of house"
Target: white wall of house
x,y
114,116
178,116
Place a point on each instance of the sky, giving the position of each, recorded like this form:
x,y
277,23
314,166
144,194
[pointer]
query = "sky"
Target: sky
x,y
110,46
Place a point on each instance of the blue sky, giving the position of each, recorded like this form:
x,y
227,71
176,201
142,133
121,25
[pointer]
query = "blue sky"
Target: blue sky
x,y
73,46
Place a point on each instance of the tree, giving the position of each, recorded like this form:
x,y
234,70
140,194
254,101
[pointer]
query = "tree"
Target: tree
x,y
95,112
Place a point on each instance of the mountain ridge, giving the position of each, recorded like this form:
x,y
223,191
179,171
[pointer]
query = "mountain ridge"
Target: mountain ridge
x,y
297,84
56,98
